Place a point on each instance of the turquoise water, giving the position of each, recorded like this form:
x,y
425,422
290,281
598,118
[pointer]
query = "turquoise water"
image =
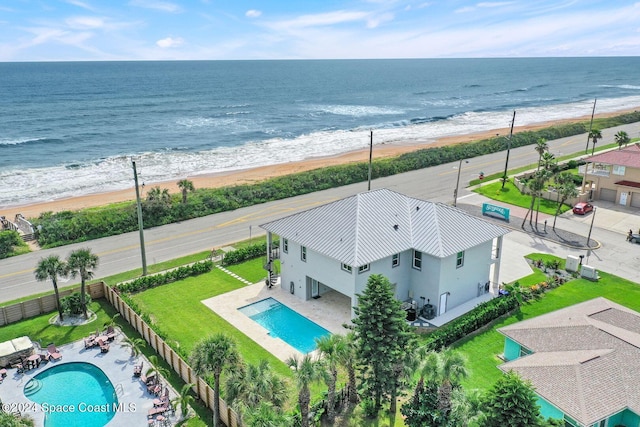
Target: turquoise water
x,y
73,394
286,324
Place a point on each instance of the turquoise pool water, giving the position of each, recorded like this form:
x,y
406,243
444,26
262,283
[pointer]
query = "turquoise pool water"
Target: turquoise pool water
x,y
286,324
73,394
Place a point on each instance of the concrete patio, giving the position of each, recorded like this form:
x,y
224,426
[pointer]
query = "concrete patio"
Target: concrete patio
x,y
117,364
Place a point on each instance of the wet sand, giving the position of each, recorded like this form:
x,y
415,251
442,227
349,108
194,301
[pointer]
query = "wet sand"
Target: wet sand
x,y
264,172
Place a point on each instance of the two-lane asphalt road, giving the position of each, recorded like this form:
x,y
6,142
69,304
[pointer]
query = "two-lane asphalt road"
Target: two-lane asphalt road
x,y
122,253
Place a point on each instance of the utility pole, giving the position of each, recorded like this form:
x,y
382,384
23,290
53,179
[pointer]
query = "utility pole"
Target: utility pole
x,y
593,217
455,192
370,159
140,225
506,163
586,150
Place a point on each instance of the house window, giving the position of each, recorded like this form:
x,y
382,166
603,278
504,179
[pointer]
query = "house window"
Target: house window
x,y
417,260
460,259
524,351
395,260
363,268
346,267
618,170
285,246
303,253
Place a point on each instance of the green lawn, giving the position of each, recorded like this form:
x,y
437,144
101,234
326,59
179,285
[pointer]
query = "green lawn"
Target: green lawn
x,y
511,195
482,349
177,310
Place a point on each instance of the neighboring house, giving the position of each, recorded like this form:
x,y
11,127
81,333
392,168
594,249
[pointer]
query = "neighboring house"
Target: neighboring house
x,y
431,252
582,361
614,176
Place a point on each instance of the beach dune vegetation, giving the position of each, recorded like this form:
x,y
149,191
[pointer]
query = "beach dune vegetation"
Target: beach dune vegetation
x,y
160,207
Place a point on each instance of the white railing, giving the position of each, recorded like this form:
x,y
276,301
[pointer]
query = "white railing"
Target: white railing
x,y
591,170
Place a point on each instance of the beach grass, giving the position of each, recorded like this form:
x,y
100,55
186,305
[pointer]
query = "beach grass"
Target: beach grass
x,y
482,349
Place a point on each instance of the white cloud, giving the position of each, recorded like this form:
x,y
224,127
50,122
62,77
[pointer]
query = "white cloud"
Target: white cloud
x,y
80,4
375,21
252,13
157,5
321,19
170,42
84,22
494,4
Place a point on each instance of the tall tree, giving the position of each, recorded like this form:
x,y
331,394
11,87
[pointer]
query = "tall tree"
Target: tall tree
x,y
622,138
382,339
512,402
548,163
565,189
535,185
541,147
331,348
50,268
306,371
185,186
348,360
248,385
82,262
212,356
594,136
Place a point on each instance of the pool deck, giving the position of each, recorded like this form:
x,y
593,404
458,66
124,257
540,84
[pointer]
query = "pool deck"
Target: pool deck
x,y
117,364
330,311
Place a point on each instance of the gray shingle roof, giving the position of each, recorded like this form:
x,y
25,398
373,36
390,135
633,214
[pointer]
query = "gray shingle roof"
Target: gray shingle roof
x,y
369,226
585,358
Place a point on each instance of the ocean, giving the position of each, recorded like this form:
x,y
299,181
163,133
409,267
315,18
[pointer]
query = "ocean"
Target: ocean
x,y
72,128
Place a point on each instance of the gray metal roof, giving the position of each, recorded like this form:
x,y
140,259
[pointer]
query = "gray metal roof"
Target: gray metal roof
x,y
369,226
585,358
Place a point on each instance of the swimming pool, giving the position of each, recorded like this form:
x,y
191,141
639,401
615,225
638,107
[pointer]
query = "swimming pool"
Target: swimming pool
x,y
73,394
286,324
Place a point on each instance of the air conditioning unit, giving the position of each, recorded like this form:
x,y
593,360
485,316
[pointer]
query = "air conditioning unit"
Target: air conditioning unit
x,y
589,272
572,263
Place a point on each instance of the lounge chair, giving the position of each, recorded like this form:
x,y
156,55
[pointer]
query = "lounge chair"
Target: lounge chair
x,y
104,347
158,410
111,333
137,370
53,353
89,342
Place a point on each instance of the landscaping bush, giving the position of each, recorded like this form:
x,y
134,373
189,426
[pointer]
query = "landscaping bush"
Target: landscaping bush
x,y
9,240
243,254
471,321
180,273
72,304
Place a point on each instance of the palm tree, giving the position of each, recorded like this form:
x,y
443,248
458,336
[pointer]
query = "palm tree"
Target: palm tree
x,y
331,348
50,268
566,189
81,262
185,186
135,344
212,356
594,135
535,186
249,385
622,138
541,147
306,371
548,163
156,368
265,415
183,400
446,369
347,359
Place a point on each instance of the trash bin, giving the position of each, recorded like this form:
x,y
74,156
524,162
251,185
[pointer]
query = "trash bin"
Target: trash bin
x,y
411,314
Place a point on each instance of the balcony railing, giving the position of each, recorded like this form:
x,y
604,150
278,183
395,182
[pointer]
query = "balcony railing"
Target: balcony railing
x,y
597,170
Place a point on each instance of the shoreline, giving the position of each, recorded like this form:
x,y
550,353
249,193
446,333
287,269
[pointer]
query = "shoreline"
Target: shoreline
x,y
252,175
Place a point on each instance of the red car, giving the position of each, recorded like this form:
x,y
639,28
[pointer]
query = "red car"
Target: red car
x,y
582,208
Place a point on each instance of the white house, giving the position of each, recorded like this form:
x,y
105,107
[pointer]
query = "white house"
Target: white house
x,y
431,252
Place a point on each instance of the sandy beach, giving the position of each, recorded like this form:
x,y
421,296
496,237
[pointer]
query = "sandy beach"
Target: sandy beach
x,y
265,172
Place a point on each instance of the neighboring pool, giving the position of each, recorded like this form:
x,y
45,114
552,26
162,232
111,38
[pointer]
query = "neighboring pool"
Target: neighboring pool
x,y
73,394
286,324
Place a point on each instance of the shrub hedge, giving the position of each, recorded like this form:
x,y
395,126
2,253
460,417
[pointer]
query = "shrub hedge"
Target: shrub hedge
x,y
469,322
56,229
146,282
243,254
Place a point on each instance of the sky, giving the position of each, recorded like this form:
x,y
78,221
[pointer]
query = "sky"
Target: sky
x,y
109,30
